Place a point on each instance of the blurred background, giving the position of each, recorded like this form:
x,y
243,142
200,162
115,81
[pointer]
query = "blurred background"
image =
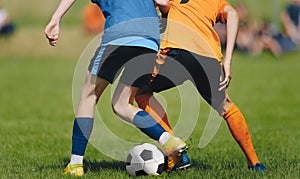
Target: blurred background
x,y
28,39
29,19
36,110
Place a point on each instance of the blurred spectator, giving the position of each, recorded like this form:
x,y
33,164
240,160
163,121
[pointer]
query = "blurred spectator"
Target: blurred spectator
x,y
6,27
291,20
93,19
221,30
255,39
289,39
246,37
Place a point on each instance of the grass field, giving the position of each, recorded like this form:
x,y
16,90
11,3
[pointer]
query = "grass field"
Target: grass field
x,y
37,113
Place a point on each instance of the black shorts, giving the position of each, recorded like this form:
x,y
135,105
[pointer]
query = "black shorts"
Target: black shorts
x,y
137,62
180,66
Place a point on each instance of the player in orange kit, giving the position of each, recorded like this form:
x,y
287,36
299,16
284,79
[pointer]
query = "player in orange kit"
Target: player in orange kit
x,y
198,50
93,19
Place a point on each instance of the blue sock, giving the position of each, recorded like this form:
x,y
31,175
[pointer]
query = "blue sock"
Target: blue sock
x,y
148,125
82,130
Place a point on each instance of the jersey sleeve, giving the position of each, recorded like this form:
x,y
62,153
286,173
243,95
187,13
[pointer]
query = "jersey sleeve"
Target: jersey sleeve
x,y
221,16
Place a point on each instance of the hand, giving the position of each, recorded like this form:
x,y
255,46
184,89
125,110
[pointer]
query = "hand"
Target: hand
x,y
164,6
162,2
224,83
52,31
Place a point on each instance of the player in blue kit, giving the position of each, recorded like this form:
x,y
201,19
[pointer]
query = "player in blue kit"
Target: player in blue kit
x,y
130,41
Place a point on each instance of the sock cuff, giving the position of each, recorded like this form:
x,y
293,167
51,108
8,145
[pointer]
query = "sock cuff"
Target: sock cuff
x,y
232,109
83,126
143,120
87,118
148,125
82,129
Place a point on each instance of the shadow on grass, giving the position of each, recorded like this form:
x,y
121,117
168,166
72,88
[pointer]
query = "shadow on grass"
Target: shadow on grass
x,y
96,166
88,165
224,165
108,165
199,165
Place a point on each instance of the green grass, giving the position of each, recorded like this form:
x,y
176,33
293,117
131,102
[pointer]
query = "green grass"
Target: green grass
x,y
36,119
37,113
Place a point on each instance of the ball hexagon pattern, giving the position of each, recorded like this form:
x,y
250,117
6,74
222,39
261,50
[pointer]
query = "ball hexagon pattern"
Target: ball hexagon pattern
x,y
145,159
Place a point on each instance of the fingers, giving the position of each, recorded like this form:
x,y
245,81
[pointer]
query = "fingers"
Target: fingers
x,y
52,33
52,42
225,83
52,39
222,87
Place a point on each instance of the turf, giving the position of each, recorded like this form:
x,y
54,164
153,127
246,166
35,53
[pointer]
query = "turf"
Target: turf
x,y
36,119
37,112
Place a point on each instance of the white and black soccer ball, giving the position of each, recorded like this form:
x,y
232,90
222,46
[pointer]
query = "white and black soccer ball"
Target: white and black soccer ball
x,y
145,159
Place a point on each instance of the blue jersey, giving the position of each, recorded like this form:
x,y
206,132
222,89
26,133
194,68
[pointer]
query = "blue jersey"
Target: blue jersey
x,y
130,23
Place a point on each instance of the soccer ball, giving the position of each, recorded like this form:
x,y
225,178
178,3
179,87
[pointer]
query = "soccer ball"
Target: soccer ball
x,y
145,159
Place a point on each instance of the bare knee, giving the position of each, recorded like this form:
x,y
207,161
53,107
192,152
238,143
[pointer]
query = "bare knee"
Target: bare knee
x,y
119,106
225,105
116,106
123,109
88,93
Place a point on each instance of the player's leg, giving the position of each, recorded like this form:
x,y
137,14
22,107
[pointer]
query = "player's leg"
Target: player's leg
x,y
90,94
135,75
206,74
151,105
239,129
235,120
171,74
83,123
166,79
146,100
123,97
208,86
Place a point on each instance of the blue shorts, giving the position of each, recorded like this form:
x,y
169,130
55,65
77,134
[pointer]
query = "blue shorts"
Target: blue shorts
x,y
137,62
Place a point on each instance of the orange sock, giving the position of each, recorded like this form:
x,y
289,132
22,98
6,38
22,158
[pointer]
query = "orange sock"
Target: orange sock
x,y
239,130
148,103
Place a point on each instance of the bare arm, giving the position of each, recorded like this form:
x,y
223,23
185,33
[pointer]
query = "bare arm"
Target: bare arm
x,y
291,29
52,30
232,20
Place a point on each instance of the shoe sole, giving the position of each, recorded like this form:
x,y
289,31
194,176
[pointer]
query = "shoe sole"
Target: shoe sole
x,y
182,150
183,167
179,154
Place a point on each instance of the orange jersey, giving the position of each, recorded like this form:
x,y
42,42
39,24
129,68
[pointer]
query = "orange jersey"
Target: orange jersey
x,y
190,26
93,19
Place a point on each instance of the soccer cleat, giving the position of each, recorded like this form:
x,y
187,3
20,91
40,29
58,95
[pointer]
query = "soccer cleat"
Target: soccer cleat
x,y
74,170
174,148
185,162
258,167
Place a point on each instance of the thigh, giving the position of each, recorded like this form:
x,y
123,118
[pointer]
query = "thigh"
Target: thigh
x,y
109,61
139,68
103,64
122,101
205,74
171,73
90,93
